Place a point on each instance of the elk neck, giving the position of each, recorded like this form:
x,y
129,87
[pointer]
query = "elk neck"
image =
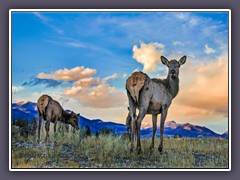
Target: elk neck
x,y
172,85
66,115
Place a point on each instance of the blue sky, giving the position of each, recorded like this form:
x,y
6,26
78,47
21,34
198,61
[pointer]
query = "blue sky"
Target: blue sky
x,y
112,45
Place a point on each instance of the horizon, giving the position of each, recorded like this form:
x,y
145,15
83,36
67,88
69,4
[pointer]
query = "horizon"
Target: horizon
x,y
144,125
82,60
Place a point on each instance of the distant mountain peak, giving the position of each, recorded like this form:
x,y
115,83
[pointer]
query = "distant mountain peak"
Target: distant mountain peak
x,y
187,124
23,102
146,125
226,133
172,124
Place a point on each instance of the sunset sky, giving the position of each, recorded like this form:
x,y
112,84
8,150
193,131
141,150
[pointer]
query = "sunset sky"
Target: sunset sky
x,y
82,59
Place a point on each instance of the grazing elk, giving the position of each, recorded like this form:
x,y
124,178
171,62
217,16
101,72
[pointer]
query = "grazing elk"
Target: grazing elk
x,y
152,96
51,111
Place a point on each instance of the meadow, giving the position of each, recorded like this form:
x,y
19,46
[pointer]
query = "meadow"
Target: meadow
x,y
76,150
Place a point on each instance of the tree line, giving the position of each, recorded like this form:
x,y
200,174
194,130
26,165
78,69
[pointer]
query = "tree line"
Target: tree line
x,y
27,128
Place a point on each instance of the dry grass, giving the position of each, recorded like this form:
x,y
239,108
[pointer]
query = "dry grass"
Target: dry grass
x,y
77,151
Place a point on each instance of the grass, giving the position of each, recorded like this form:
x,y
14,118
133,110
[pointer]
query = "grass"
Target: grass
x,y
74,150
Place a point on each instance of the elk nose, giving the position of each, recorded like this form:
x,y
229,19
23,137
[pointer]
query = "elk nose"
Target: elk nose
x,y
172,71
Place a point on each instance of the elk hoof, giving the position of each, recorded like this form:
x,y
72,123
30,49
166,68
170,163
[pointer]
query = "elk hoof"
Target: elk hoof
x,y
46,140
150,151
151,147
138,150
160,149
131,150
55,143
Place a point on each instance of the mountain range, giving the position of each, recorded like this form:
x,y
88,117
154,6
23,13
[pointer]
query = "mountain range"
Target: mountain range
x,y
28,110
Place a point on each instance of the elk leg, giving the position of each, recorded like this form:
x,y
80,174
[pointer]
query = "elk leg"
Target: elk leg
x,y
133,133
62,128
163,118
141,115
132,112
39,125
55,125
67,127
154,122
47,127
59,127
144,100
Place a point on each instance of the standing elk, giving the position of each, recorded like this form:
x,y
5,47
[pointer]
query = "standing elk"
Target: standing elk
x,y
152,96
51,111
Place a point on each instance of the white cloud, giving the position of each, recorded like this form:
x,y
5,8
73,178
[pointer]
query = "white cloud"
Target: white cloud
x,y
86,82
68,74
148,55
177,43
75,44
73,91
48,22
68,42
193,21
44,19
158,45
191,55
16,89
203,90
182,16
96,92
208,50
189,18
135,70
87,90
100,96
112,77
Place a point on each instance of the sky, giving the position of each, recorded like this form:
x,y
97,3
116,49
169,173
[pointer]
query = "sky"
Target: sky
x,y
82,60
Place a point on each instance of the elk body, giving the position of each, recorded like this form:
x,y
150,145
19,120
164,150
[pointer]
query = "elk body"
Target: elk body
x,y
152,96
51,111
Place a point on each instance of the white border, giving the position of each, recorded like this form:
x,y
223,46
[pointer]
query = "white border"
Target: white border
x,y
229,87
120,10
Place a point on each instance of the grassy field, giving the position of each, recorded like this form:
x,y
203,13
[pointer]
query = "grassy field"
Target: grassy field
x,y
74,150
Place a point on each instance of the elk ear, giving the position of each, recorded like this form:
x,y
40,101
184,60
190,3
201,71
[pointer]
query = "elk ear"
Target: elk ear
x,y
182,60
164,60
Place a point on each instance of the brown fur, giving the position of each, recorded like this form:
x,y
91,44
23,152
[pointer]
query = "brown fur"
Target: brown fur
x,y
51,111
135,83
42,103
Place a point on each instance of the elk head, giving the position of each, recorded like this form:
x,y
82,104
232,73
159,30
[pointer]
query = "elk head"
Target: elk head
x,y
173,66
73,120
